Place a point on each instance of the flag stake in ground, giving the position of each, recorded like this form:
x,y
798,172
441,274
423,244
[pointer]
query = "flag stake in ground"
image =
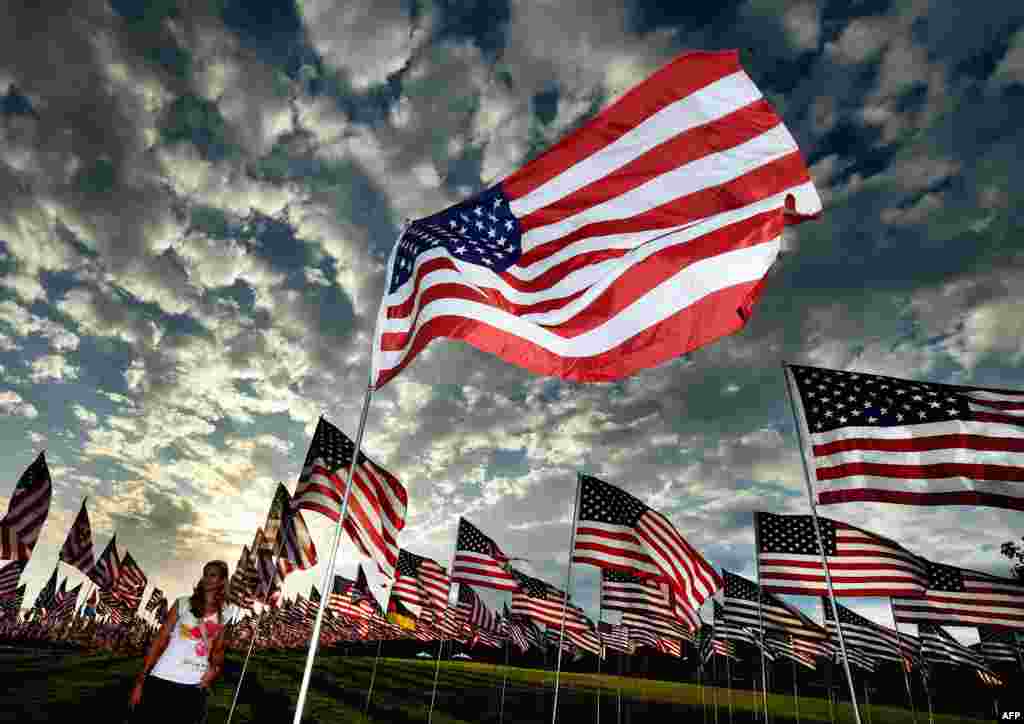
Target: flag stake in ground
x,y
565,602
799,423
329,566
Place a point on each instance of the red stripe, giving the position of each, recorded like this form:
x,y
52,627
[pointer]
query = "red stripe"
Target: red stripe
x,y
903,497
732,130
710,318
998,404
920,444
611,551
835,564
762,182
977,471
996,417
682,77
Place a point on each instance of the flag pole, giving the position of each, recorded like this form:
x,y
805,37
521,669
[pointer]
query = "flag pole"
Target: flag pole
x,y
903,660
867,699
714,688
597,719
504,678
796,694
373,676
565,603
728,684
329,568
270,587
798,423
928,692
437,667
760,616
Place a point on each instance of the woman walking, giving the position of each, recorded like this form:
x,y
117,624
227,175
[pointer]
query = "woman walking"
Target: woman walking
x,y
187,656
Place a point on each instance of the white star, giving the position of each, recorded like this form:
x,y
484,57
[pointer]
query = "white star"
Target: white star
x,y
501,241
479,224
872,419
478,211
487,261
491,233
497,202
843,419
460,249
508,224
452,223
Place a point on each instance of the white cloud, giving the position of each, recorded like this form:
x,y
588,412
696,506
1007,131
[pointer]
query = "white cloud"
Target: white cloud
x,y
53,367
11,403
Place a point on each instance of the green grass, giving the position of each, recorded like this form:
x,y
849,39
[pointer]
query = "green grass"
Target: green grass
x,y
47,687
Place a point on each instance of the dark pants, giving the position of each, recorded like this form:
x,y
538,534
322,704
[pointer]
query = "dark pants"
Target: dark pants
x,y
167,701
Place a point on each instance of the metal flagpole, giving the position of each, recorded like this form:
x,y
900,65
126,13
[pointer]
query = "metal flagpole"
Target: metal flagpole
x,y
903,660
796,694
565,604
728,683
329,567
373,676
618,694
928,692
760,617
867,699
437,667
597,719
714,688
504,679
276,557
799,423
700,683
831,710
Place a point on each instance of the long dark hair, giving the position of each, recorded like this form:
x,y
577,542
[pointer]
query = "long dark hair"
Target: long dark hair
x,y
197,602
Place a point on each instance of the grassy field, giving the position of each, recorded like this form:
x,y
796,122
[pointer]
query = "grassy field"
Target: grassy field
x,y
46,686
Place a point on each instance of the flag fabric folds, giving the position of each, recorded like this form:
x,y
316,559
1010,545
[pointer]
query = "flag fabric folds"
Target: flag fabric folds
x,y
960,597
11,605
47,595
474,611
939,647
420,581
860,563
154,600
873,639
740,607
10,574
108,566
890,440
376,505
77,549
999,645
615,637
645,598
616,530
131,583
297,550
635,239
479,561
26,512
544,603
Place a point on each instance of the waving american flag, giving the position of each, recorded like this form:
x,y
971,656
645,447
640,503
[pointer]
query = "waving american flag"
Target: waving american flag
x,y
639,237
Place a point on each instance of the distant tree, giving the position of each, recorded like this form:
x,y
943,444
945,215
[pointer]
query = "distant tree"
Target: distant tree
x,y
1015,552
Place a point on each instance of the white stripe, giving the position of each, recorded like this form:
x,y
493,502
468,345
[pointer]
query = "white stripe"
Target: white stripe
x,y
713,101
881,563
1006,396
994,430
680,291
926,457
980,407
703,173
916,485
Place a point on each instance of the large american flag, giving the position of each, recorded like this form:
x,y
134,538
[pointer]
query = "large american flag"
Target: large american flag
x,y
616,530
885,439
26,512
740,607
421,582
635,239
77,549
376,505
544,603
860,563
479,561
242,586
939,647
10,574
960,597
875,640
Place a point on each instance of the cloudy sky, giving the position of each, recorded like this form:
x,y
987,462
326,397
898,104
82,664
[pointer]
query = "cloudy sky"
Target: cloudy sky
x,y
196,206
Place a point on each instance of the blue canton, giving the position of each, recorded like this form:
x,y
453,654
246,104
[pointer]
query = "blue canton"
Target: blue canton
x,y
480,231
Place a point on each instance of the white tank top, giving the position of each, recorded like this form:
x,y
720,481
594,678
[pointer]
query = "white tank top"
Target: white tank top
x,y
187,655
